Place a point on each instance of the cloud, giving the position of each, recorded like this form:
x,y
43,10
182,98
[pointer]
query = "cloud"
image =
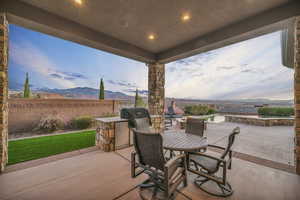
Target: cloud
x,y
56,76
249,69
33,59
226,67
67,75
122,83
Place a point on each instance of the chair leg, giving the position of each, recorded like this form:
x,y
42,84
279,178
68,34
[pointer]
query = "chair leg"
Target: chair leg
x,y
185,182
225,190
200,180
155,193
147,183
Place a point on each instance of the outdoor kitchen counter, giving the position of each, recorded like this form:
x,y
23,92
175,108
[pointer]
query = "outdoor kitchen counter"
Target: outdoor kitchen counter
x,y
112,133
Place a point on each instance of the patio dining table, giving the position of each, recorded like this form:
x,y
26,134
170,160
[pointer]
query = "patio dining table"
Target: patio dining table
x,y
183,142
178,141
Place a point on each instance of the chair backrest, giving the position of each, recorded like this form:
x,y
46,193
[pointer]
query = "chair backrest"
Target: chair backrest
x,y
149,148
231,139
194,126
139,118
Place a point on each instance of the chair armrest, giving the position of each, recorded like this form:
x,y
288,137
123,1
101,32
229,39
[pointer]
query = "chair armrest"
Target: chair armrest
x,y
206,155
172,165
215,146
175,173
174,160
222,148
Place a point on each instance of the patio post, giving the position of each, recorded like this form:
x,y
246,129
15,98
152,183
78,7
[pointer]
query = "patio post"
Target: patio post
x,y
156,96
3,90
297,93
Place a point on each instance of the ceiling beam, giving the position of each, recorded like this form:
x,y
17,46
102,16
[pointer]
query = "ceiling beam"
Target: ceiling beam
x,y
34,18
267,22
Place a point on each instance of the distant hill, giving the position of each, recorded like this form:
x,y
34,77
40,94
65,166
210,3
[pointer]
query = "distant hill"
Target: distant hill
x,y
92,93
85,93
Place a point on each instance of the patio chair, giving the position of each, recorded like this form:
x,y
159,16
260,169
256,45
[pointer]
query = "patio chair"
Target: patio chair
x,y
207,166
164,176
195,126
139,118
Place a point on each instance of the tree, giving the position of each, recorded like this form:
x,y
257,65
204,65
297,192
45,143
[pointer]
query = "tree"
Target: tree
x,y
26,92
101,90
138,102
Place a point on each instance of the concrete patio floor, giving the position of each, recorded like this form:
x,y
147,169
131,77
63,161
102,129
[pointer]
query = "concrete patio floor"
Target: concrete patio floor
x,y
100,175
275,143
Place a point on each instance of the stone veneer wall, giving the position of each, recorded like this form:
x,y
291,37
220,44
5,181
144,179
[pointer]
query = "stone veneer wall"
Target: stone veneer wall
x,y
297,93
3,90
156,98
24,114
260,121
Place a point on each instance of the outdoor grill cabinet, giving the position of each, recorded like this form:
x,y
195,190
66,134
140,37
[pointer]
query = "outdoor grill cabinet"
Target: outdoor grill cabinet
x,y
114,133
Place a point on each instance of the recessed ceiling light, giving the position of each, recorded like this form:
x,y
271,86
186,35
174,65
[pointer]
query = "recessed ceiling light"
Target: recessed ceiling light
x,y
185,17
151,37
78,2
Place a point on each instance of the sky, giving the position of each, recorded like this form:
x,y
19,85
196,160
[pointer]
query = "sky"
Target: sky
x,y
247,70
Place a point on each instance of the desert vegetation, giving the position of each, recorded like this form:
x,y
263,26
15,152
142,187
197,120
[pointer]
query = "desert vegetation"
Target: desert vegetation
x,y
276,111
198,110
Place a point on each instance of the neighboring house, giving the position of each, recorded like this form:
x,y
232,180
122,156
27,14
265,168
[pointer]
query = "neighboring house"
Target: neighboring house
x,y
173,109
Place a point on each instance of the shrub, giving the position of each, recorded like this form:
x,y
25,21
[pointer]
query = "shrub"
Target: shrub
x,y
50,123
276,111
198,110
211,111
82,122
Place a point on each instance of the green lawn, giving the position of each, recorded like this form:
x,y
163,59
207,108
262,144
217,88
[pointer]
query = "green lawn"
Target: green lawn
x,y
34,148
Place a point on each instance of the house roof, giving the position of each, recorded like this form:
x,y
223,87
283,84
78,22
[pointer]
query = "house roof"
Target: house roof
x,y
123,27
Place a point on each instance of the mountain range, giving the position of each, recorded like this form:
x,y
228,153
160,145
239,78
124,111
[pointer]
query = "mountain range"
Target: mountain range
x,y
92,93
85,93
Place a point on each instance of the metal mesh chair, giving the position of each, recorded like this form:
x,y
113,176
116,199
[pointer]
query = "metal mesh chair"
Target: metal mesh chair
x,y
207,166
195,126
138,118
148,158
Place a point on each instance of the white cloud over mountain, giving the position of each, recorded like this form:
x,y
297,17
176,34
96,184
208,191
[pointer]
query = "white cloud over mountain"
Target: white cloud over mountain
x,y
250,69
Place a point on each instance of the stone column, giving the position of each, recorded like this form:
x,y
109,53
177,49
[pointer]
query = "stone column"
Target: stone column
x,y
3,90
297,93
156,96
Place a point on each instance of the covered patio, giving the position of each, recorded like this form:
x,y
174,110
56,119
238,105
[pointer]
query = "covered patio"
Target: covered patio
x,y
102,175
156,33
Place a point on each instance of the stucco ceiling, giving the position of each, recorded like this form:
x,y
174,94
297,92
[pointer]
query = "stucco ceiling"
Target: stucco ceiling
x,y
124,25
133,20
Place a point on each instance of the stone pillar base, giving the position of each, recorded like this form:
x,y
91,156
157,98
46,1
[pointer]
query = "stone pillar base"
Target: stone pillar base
x,y
105,136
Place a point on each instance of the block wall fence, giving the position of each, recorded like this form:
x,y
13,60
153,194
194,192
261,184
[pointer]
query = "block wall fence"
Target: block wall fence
x,y
24,114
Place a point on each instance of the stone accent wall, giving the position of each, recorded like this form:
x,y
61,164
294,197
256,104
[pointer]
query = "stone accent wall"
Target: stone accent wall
x,y
105,136
24,114
3,90
113,133
297,94
156,98
256,121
